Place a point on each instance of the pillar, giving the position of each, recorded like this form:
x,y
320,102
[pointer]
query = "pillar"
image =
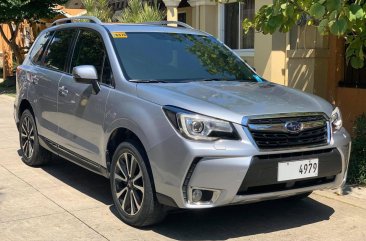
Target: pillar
x,y
205,15
171,9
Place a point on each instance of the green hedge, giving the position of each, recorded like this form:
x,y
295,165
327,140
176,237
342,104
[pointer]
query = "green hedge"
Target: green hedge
x,y
357,166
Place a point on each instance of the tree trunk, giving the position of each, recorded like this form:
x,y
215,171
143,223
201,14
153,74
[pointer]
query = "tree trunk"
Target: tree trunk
x,y
12,41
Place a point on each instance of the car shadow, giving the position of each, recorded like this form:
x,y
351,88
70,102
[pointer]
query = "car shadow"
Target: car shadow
x,y
244,220
85,181
208,224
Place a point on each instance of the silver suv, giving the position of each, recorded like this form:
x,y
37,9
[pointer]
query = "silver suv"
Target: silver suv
x,y
173,118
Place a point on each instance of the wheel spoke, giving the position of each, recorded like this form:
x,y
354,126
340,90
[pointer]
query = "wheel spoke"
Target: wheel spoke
x,y
24,145
31,130
27,124
141,188
122,171
135,200
132,210
137,177
26,148
133,166
24,128
123,205
125,155
118,177
29,149
121,192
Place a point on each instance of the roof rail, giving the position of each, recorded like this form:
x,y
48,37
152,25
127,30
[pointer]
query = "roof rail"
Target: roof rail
x,y
184,25
70,20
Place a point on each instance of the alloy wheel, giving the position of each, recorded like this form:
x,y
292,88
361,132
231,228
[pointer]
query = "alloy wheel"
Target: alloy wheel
x,y
27,137
129,183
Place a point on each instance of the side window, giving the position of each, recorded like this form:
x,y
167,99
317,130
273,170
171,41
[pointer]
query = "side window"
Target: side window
x,y
39,47
89,50
56,53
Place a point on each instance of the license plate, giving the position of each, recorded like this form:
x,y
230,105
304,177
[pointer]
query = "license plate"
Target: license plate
x,y
297,169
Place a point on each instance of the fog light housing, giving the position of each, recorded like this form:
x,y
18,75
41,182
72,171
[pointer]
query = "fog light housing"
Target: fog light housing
x,y
196,195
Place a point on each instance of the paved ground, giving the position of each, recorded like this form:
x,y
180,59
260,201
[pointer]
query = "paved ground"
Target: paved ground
x,y
65,202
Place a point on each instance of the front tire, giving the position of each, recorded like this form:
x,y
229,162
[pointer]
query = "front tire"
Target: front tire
x,y
132,187
33,154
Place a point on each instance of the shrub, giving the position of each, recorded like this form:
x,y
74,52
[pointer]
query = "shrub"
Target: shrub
x,y
138,11
357,166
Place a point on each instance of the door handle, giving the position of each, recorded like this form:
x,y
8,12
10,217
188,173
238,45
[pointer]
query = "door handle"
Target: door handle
x,y
62,91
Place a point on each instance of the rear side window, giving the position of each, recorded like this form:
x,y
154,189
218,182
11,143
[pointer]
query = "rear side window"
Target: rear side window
x,y
90,50
56,54
39,47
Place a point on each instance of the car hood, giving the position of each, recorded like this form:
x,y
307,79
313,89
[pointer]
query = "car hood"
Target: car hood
x,y
233,100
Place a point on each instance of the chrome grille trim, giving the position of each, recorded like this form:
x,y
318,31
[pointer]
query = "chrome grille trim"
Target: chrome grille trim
x,y
269,133
281,127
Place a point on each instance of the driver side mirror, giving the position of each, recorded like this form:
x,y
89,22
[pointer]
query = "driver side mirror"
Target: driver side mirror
x,y
87,74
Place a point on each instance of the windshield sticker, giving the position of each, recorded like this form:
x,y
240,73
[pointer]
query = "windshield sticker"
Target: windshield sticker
x,y
119,35
257,78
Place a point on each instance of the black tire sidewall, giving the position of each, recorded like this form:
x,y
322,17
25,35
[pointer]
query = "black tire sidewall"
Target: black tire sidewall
x,y
149,197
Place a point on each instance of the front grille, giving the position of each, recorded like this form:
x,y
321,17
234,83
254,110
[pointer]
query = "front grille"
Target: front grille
x,y
271,133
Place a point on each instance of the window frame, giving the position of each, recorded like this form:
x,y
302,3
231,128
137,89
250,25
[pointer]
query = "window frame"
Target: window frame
x,y
40,62
72,52
221,18
64,71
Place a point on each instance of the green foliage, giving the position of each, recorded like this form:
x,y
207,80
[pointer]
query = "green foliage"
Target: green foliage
x,y
99,9
357,166
13,12
18,10
139,12
340,18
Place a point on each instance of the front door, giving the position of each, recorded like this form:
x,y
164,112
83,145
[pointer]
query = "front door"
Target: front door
x,y
81,113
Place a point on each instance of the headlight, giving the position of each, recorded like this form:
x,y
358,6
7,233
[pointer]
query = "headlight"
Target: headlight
x,y
199,127
336,119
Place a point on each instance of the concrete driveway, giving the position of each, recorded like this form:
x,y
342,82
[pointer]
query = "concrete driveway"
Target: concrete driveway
x,y
62,201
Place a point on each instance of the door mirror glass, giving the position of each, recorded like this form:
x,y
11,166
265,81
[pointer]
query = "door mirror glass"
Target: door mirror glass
x,y
86,74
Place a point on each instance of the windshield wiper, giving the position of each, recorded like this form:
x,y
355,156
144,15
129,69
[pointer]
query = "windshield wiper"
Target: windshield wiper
x,y
215,79
147,81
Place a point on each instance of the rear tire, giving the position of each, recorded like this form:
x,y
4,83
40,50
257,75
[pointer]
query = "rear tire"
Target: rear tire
x,y
132,186
33,154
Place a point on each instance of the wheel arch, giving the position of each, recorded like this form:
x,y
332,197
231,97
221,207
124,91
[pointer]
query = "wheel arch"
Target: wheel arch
x,y
24,105
123,133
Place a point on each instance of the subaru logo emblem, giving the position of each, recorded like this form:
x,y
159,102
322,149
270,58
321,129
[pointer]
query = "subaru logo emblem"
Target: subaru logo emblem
x,y
294,126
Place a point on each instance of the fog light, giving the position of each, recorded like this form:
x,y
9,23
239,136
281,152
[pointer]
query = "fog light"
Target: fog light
x,y
196,195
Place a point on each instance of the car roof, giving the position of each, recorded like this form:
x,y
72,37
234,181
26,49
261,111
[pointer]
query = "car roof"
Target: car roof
x,y
114,27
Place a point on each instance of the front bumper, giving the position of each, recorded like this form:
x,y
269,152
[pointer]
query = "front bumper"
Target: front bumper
x,y
223,168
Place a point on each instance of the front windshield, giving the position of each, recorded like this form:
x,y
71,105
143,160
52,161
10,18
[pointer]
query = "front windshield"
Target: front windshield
x,y
173,57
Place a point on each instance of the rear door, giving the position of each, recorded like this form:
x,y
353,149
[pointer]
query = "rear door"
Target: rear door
x,y
81,112
49,63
